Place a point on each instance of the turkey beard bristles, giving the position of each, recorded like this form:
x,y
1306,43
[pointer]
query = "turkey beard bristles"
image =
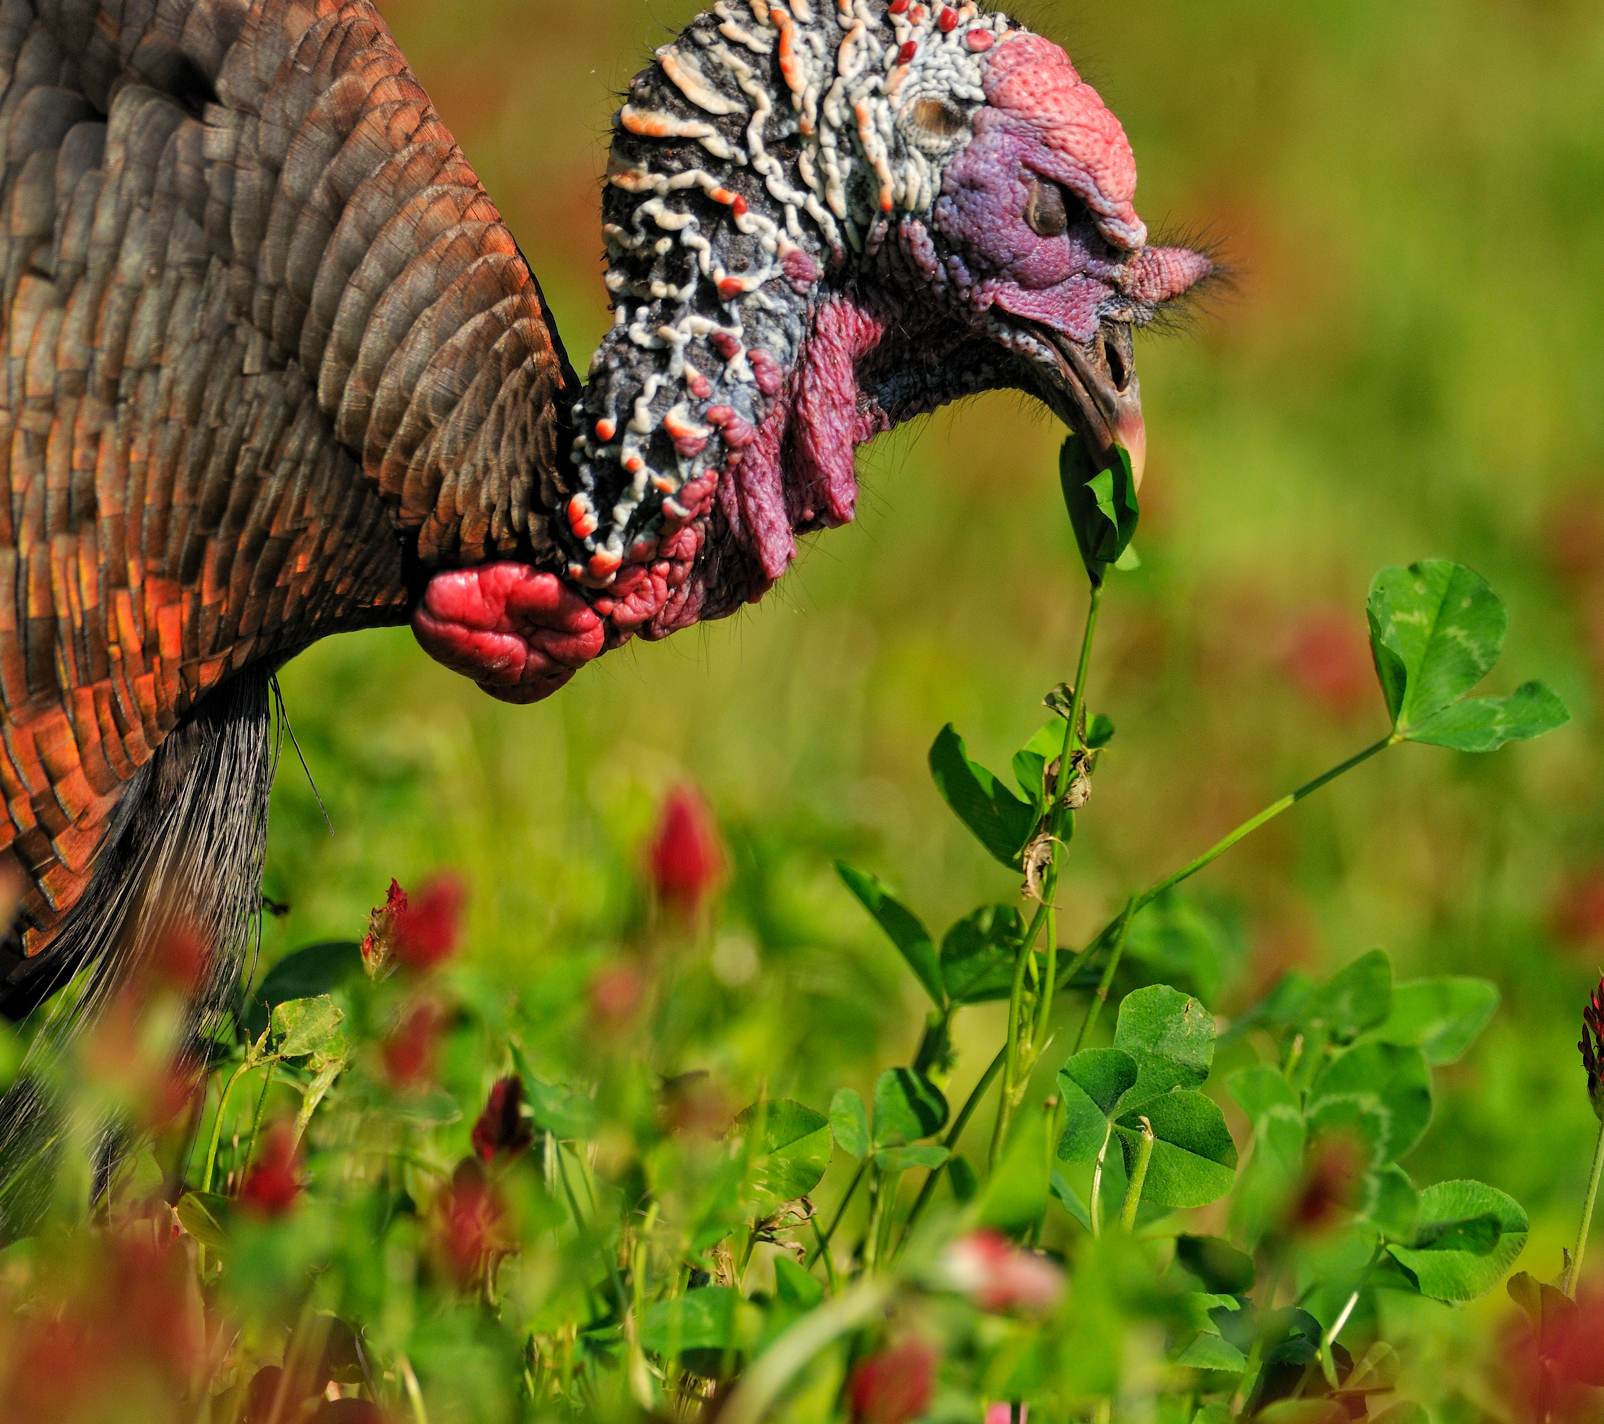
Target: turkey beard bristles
x,y
184,863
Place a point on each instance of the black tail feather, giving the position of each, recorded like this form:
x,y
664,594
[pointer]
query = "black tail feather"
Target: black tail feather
x,y
187,851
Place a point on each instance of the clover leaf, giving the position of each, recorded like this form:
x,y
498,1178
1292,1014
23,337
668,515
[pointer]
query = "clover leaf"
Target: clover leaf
x,y
1436,630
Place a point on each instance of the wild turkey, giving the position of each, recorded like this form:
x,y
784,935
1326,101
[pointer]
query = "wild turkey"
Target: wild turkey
x,y
273,368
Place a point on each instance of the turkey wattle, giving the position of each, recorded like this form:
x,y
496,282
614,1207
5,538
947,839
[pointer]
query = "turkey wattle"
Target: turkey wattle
x,y
274,368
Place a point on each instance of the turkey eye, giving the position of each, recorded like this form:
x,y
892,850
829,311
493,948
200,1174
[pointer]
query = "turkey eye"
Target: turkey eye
x,y
1045,211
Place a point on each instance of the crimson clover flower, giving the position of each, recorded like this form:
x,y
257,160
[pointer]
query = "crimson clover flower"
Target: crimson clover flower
x,y
410,1048
997,1275
684,858
502,1129
1592,1046
895,1385
274,1181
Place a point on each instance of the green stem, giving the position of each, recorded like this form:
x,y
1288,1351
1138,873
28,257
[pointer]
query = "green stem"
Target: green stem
x,y
1094,1208
1133,1188
217,1123
966,1112
261,1105
1219,848
824,1241
1574,1273
823,1249
871,1237
1269,813
1016,995
1051,982
1121,928
1077,699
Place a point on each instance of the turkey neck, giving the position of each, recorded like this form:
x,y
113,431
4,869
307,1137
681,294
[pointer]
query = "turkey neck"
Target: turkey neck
x,y
737,211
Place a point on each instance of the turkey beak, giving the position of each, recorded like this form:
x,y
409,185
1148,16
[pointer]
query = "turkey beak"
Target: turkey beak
x,y
1097,395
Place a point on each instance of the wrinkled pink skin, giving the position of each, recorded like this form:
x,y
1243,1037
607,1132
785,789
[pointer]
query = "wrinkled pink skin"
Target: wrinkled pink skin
x,y
517,632
521,634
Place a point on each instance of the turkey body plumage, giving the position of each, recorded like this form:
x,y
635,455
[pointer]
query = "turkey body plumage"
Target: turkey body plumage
x,y
268,354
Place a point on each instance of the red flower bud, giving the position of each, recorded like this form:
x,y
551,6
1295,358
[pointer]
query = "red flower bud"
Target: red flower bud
x,y
274,1182
895,1385
471,1226
502,1129
378,944
997,1275
428,924
410,1048
684,857
1592,1046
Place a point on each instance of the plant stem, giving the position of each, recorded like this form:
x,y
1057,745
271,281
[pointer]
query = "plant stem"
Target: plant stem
x,y
414,1393
1094,1208
217,1123
966,1112
1050,983
824,1241
1077,699
1121,929
1133,1188
1016,996
1575,1271
1269,813
261,1104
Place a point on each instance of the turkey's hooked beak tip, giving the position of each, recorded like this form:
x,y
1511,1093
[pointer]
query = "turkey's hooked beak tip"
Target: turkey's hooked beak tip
x,y
1130,433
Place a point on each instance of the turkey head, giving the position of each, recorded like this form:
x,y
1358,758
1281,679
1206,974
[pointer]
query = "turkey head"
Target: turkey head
x,y
821,219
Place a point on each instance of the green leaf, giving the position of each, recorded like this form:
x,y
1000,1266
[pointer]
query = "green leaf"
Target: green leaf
x,y
1443,626
1092,1085
1483,724
309,972
201,1214
1015,1195
1032,760
712,1318
1069,1199
849,1123
1171,1036
902,1159
1469,1236
1177,944
1302,1411
794,1286
1391,1202
1276,1164
997,818
1194,1158
1099,732
1102,505
961,1177
907,1107
902,927
1405,1411
793,1153
1380,1092
1221,1268
1357,997
978,952
558,1110
1440,1017
1210,1352
305,1026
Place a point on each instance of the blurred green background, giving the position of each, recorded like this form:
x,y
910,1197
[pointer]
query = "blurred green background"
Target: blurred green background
x,y
1412,199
